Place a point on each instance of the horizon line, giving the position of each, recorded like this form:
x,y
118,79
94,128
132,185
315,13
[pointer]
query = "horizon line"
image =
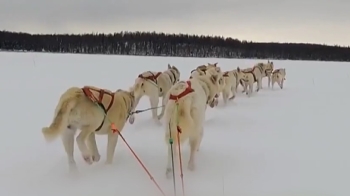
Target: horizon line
x,y
157,32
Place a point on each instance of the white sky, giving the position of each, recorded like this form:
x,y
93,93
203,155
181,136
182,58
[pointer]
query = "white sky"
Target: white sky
x,y
311,21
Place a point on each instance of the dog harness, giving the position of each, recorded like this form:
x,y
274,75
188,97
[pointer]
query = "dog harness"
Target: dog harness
x,y
101,93
152,77
187,91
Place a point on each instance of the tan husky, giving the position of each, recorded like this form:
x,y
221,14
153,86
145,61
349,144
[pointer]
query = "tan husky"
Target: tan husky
x,y
154,85
247,80
231,81
92,110
279,76
185,112
259,71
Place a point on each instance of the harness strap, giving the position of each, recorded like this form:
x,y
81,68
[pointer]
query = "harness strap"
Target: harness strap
x,y
187,91
91,96
152,77
251,72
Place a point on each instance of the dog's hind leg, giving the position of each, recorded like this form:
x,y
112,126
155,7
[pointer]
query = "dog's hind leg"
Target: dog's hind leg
x,y
160,116
93,147
201,133
233,90
244,86
172,156
68,143
250,91
81,139
154,101
194,146
259,84
280,83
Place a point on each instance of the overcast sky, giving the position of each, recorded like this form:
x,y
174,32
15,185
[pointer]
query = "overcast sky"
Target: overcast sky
x,y
312,21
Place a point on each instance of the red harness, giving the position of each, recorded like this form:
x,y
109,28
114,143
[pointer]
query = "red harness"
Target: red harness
x,y
152,77
187,91
176,98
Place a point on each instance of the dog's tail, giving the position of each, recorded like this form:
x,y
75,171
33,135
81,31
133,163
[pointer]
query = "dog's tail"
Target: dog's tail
x,y
60,121
138,86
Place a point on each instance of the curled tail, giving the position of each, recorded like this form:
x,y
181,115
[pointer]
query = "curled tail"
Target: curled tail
x,y
138,87
59,123
138,84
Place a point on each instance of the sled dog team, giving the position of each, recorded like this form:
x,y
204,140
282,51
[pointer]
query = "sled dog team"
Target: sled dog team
x,y
100,111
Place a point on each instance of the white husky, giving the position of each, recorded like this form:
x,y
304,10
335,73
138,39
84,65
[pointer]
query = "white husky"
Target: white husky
x,y
216,71
202,69
185,113
210,69
154,85
231,80
259,71
93,111
279,76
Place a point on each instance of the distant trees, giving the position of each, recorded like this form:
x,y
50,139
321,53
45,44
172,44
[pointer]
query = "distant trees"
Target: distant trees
x,y
160,44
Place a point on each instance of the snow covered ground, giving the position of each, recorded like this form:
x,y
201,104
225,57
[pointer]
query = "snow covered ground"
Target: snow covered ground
x,y
290,142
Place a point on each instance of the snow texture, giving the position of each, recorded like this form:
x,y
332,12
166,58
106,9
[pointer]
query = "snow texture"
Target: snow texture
x,y
289,142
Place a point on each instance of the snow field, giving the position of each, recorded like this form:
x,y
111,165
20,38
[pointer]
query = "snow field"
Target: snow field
x,y
290,142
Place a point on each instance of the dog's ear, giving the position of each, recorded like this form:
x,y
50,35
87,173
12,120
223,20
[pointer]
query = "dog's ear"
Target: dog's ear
x,y
169,67
215,64
214,79
175,68
202,67
238,69
200,72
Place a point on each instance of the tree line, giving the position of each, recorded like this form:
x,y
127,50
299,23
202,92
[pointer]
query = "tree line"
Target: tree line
x,y
161,44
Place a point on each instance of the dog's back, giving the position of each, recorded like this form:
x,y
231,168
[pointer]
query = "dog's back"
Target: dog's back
x,y
178,111
278,75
